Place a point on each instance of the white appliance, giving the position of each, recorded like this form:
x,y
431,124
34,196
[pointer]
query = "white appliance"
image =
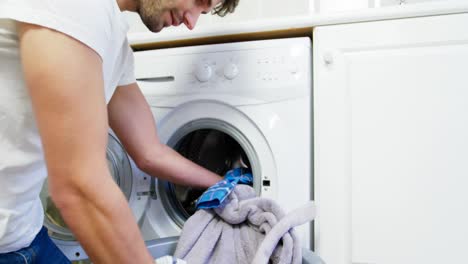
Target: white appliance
x,y
134,184
225,104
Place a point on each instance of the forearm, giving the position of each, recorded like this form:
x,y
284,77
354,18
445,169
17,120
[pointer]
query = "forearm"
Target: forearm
x,y
131,119
169,165
98,214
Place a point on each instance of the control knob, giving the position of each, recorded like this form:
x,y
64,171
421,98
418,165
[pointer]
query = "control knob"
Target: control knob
x,y
203,72
231,71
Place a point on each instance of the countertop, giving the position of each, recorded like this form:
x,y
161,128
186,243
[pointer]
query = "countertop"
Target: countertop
x,y
286,27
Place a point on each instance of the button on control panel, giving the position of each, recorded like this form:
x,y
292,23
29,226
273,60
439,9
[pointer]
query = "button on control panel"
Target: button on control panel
x,y
203,72
231,71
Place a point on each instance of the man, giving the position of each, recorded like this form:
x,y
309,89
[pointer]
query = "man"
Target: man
x,y
66,75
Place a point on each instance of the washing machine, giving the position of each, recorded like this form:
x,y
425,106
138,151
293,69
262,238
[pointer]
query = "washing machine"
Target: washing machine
x,y
226,105
134,184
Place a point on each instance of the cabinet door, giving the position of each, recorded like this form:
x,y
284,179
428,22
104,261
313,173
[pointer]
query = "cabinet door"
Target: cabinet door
x,y
391,141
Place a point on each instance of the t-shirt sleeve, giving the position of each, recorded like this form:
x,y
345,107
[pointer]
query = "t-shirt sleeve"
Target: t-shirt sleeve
x,y
128,73
85,20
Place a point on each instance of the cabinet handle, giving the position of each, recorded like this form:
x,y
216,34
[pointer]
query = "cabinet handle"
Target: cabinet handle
x,y
328,58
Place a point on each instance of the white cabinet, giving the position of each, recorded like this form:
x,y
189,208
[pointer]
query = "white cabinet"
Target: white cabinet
x,y
391,141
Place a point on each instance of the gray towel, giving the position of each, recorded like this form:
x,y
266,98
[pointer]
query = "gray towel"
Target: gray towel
x,y
247,229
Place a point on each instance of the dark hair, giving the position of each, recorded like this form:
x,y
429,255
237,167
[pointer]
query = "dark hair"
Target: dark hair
x,y
227,6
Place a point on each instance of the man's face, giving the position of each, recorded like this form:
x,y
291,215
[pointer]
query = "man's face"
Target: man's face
x,y
158,14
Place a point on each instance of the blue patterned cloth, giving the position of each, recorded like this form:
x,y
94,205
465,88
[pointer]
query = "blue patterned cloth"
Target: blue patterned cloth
x,y
214,196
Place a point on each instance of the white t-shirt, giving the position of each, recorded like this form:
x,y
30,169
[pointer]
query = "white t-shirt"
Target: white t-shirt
x,y
99,25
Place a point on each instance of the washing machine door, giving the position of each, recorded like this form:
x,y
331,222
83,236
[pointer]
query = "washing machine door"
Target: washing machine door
x,y
216,136
122,173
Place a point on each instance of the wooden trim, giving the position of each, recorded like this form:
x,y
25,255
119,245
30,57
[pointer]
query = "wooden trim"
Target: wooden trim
x,y
285,33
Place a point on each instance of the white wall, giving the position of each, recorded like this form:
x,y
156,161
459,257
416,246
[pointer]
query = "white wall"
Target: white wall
x,y
247,10
331,6
253,11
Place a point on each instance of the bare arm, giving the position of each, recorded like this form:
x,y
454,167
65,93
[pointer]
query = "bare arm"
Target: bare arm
x,y
65,82
131,119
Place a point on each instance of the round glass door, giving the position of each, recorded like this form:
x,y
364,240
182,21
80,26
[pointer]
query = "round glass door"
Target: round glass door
x,y
120,169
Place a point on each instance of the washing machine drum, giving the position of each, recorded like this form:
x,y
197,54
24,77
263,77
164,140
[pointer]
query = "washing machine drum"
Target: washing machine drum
x,y
120,169
211,149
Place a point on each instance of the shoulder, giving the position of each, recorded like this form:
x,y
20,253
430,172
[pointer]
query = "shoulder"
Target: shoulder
x,y
88,21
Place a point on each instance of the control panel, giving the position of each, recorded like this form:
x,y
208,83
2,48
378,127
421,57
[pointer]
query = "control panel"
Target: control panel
x,y
260,67
264,72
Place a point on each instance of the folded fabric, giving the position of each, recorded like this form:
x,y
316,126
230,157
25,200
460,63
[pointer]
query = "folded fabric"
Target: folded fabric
x,y
247,229
214,196
169,260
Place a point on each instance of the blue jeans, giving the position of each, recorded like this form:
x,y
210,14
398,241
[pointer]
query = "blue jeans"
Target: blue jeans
x,y
42,250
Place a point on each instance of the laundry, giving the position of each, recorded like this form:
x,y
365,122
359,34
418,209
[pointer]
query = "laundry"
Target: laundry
x,y
214,196
169,260
246,229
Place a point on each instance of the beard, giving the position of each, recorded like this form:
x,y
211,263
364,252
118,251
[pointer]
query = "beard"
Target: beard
x,y
151,12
